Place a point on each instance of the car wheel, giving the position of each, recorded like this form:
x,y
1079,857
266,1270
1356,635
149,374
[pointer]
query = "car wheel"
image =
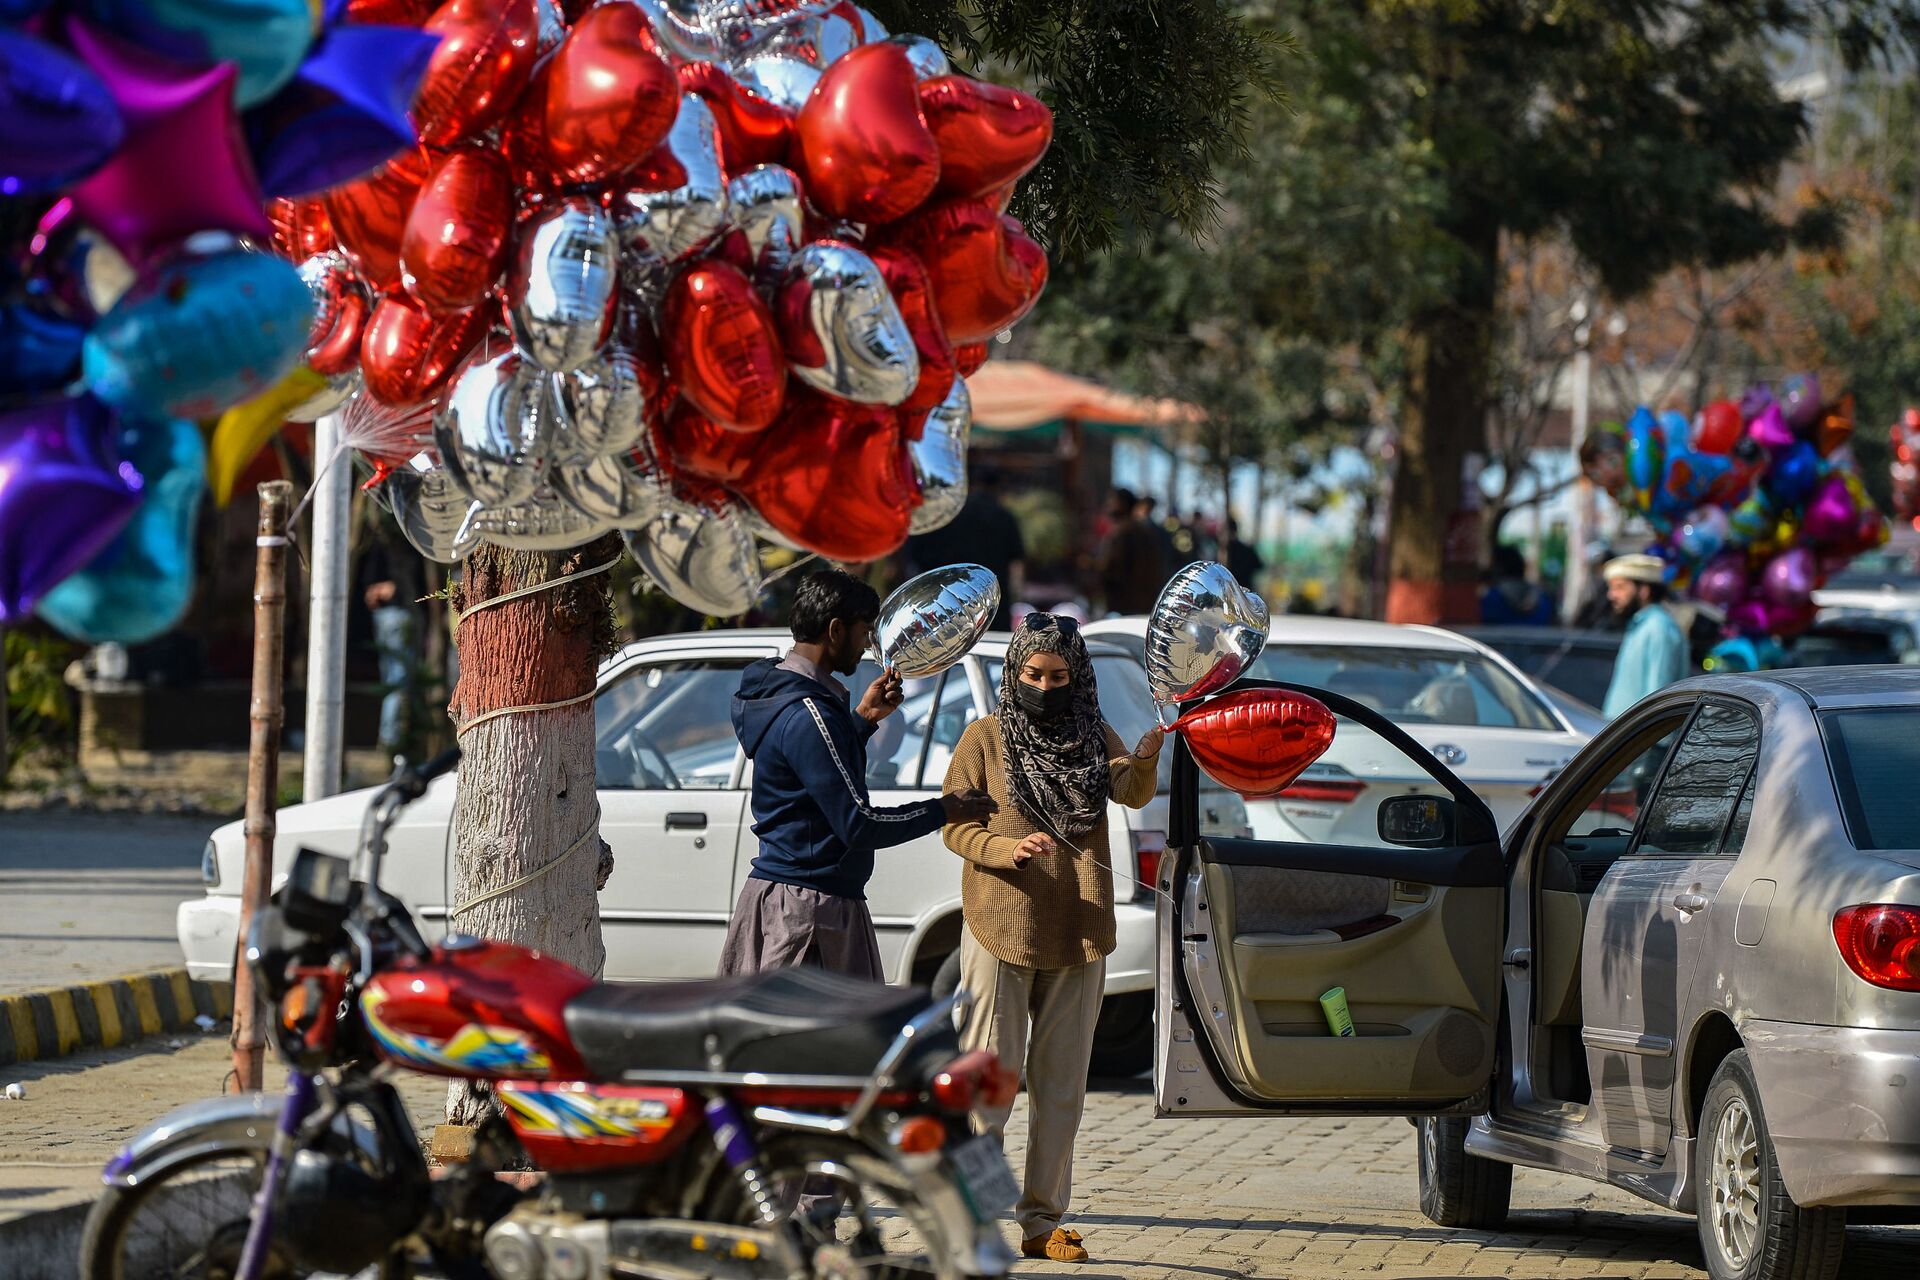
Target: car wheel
x,y
1123,1037
946,979
1750,1229
1458,1189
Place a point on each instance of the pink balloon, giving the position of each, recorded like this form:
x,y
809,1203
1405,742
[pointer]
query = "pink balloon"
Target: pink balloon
x,y
1722,580
1790,577
1748,618
1770,428
184,166
1832,514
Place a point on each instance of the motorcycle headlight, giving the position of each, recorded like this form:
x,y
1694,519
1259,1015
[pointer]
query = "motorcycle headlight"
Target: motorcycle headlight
x,y
210,866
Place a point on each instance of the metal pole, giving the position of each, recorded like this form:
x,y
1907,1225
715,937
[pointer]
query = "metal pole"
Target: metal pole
x,y
1573,591
268,714
327,614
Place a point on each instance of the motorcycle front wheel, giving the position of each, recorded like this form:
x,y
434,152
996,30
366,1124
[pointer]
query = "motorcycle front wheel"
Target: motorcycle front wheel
x,y
858,1215
187,1223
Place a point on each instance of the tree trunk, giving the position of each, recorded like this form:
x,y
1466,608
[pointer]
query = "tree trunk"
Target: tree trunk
x,y
1434,539
526,803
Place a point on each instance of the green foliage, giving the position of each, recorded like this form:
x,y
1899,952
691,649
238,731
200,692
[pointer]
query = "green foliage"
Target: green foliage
x,y
39,707
1150,101
1044,526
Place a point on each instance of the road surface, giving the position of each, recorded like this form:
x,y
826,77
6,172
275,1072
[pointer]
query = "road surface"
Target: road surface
x,y
87,896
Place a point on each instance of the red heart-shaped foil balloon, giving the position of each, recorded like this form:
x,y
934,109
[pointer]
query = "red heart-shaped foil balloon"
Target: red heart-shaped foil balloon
x,y
370,217
608,97
988,135
408,352
1257,741
482,65
339,322
458,230
968,359
692,443
912,291
301,228
752,130
722,347
834,477
860,144
986,273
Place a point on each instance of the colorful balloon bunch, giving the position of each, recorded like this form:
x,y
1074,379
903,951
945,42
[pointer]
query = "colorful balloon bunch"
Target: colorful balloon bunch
x,y
692,270
139,143
1755,502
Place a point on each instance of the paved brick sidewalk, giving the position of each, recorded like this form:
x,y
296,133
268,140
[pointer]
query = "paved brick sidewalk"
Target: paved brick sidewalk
x,y
1184,1200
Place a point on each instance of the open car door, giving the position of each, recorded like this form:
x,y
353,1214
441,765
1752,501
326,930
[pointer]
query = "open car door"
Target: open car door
x,y
1253,933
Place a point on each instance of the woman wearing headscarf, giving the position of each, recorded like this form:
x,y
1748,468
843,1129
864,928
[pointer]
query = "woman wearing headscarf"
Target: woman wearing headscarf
x,y
1038,895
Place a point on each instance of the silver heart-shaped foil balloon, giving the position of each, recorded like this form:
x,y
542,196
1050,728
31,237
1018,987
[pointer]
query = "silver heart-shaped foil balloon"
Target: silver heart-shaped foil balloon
x,y
932,621
565,280
540,523
1203,634
783,81
601,408
765,203
340,388
494,429
709,30
837,293
704,559
615,490
431,510
929,59
668,226
939,460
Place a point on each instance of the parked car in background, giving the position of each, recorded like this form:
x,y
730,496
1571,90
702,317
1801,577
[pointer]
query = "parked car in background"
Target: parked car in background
x,y
1462,701
1857,640
673,786
1883,581
1691,969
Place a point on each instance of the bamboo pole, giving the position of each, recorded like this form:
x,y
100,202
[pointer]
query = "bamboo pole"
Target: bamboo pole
x,y
267,712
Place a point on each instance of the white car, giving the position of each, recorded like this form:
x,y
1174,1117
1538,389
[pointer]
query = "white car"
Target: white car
x,y
1494,728
673,787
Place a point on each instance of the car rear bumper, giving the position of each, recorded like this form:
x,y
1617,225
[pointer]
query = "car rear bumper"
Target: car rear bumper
x,y
1130,967
1842,1105
207,927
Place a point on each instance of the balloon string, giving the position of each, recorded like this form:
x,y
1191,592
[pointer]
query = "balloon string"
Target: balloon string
x,y
1113,870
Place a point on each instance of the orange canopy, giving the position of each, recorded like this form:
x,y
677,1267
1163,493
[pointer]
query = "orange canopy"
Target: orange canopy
x,y
1020,395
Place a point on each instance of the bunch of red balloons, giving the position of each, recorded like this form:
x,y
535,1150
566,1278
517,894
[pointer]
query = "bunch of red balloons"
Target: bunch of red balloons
x,y
693,270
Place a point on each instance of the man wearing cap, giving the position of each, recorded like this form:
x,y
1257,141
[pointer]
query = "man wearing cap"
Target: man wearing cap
x,y
1653,653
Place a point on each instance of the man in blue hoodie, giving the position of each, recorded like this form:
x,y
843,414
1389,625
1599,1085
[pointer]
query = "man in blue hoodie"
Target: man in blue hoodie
x,y
805,900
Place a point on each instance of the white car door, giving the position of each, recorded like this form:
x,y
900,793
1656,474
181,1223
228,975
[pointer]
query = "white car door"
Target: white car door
x,y
672,807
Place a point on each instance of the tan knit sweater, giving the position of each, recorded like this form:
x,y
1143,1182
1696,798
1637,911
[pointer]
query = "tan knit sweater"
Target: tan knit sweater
x,y
1057,910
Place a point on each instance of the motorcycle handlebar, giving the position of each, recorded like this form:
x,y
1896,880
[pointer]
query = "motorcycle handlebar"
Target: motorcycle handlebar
x,y
416,779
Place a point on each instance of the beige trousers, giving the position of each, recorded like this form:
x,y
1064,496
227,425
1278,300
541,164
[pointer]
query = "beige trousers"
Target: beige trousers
x,y
1062,1006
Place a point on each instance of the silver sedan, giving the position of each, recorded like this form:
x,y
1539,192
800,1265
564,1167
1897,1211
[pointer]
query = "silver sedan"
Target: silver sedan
x,y
1691,969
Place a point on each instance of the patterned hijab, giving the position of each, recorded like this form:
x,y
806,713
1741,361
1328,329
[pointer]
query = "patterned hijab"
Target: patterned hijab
x,y
1057,771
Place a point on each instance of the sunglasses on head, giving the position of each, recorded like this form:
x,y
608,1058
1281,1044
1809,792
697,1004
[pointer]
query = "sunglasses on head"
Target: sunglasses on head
x,y
1041,621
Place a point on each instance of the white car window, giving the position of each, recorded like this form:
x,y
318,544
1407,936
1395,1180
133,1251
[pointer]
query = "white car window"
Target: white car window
x,y
667,726
1412,686
896,748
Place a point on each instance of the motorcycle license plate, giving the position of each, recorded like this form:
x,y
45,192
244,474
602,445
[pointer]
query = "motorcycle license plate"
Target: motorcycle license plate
x,y
985,1177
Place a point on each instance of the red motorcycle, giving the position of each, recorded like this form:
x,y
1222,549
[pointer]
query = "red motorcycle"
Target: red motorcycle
x,y
784,1126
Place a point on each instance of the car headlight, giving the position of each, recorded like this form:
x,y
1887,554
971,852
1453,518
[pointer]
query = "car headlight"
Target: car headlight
x,y
210,866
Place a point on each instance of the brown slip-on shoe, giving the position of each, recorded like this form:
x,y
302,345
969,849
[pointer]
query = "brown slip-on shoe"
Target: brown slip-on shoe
x,y
1061,1246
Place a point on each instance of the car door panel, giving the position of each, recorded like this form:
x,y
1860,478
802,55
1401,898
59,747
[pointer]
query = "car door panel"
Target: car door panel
x,y
1257,932
673,810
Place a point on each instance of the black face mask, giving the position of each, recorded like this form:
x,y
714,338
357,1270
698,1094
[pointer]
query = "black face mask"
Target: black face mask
x,y
1043,704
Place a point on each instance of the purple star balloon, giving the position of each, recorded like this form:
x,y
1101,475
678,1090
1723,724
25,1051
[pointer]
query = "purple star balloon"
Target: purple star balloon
x,y
183,167
63,496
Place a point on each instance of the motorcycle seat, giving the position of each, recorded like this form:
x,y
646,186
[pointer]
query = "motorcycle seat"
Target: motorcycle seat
x,y
787,1022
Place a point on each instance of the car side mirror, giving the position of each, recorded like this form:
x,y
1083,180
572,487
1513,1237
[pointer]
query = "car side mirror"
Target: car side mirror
x,y
1418,822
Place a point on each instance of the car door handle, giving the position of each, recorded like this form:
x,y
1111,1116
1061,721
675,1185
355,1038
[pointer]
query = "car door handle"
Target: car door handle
x,y
1690,902
686,822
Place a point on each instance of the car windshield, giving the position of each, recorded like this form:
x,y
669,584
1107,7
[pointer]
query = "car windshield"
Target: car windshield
x,y
1889,567
1412,686
1876,756
1582,670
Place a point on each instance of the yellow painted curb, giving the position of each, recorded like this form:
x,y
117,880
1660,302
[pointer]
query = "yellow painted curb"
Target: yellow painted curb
x,y
101,1015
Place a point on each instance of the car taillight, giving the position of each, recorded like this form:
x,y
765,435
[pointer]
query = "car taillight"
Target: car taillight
x,y
977,1079
1879,941
1324,784
1148,848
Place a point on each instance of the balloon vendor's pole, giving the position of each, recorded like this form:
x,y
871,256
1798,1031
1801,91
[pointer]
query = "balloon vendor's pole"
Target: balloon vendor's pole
x,y
327,614
267,712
